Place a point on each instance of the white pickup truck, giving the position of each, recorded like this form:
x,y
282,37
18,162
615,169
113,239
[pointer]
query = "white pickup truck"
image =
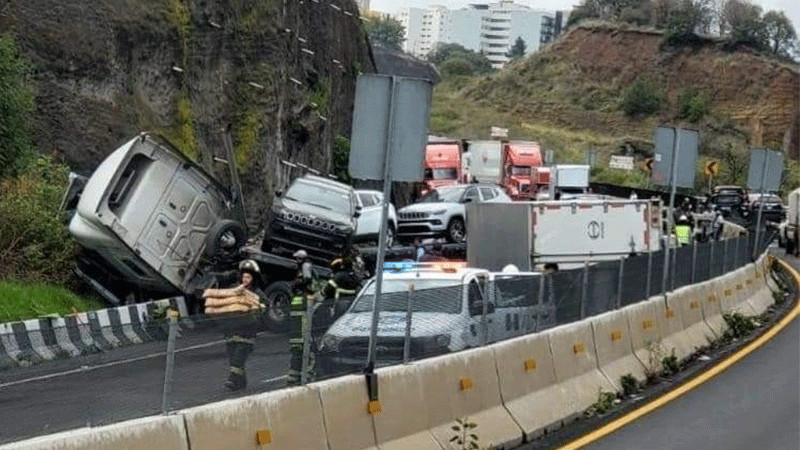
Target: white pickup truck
x,y
789,229
447,302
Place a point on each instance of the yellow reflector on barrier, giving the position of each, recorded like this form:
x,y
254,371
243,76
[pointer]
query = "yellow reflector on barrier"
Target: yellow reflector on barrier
x,y
749,281
578,348
465,384
739,287
647,324
694,304
374,407
530,364
728,292
712,298
616,335
670,313
263,437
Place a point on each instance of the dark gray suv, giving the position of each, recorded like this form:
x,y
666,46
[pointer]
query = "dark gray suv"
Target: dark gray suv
x,y
314,214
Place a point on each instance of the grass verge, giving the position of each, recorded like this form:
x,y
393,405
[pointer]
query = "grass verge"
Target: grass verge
x,y
26,301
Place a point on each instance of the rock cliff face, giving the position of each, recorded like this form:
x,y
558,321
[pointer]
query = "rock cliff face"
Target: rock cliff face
x,y
281,73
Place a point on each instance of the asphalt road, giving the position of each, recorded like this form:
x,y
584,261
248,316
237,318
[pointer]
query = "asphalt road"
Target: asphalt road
x,y
128,383
753,404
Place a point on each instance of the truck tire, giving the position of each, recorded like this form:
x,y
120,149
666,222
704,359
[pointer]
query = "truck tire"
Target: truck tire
x,y
279,296
225,239
456,231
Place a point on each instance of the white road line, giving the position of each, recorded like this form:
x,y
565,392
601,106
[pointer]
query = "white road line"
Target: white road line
x,y
102,366
270,380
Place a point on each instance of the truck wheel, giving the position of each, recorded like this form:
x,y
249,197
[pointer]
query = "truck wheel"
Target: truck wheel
x,y
225,239
456,231
279,296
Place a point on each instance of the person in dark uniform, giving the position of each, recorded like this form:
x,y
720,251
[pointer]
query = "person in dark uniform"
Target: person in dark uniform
x,y
238,310
303,294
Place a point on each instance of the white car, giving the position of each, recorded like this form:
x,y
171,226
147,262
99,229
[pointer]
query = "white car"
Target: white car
x,y
441,212
369,222
447,304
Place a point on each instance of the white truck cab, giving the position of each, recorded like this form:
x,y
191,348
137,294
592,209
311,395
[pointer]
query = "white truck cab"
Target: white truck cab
x,y
447,302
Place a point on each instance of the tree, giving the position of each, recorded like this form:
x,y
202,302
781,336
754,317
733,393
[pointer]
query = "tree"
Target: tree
x,y
779,33
341,159
479,63
741,21
386,30
16,105
518,49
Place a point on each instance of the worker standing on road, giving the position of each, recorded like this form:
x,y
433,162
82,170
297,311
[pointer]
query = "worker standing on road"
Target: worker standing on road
x,y
683,232
303,293
718,224
235,308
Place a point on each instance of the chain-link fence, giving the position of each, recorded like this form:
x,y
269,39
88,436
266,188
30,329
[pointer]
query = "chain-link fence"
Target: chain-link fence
x,y
196,360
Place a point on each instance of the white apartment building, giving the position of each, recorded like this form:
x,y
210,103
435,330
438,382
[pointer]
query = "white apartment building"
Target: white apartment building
x,y
490,28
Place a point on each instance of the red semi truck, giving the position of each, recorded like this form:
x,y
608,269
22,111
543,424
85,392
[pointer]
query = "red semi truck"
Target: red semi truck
x,y
442,164
509,164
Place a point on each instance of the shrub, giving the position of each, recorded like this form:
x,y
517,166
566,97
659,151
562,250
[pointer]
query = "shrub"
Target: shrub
x,y
739,325
670,364
629,384
605,403
692,105
642,99
34,244
16,105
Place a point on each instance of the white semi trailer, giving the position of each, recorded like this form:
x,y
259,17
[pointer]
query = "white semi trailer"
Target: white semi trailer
x,y
573,232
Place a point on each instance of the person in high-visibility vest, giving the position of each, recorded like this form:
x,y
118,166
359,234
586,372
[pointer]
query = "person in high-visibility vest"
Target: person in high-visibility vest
x,y
302,298
683,232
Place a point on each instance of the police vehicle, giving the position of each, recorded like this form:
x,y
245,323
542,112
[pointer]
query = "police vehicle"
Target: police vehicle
x,y
452,307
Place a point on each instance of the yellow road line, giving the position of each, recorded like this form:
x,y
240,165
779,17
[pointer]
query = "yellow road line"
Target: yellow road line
x,y
672,395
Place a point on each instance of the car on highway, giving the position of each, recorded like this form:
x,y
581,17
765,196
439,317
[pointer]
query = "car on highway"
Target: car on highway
x,y
315,214
442,212
447,301
773,211
731,200
370,204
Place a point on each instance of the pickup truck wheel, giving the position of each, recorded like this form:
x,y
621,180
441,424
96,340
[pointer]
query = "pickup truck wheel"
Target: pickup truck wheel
x,y
456,231
279,296
225,239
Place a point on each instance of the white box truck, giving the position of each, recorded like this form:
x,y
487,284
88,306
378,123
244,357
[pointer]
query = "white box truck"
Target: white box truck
x,y
563,232
568,181
789,229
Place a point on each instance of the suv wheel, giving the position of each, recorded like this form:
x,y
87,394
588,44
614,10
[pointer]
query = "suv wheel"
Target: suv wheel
x,y
279,297
456,231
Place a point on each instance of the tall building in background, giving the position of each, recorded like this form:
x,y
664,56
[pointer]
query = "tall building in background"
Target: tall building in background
x,y
491,28
363,6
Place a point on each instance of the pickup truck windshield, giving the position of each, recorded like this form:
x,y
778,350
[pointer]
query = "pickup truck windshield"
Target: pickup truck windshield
x,y
448,195
319,196
440,296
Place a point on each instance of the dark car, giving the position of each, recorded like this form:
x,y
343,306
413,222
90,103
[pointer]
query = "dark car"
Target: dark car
x,y
315,214
773,210
731,200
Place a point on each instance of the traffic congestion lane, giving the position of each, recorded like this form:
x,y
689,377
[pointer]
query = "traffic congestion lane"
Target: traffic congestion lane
x,y
116,389
753,404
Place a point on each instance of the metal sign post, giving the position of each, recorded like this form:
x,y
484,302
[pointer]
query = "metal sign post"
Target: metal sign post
x,y
390,129
670,219
770,164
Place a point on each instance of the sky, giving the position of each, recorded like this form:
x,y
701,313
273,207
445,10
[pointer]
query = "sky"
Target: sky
x,y
790,7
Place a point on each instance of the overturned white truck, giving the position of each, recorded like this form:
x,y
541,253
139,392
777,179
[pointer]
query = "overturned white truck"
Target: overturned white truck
x,y
569,233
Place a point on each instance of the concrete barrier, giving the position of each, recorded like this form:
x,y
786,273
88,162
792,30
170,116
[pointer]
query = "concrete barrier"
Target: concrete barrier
x,y
141,434
344,410
688,303
672,329
612,339
575,364
760,294
725,289
403,421
711,295
646,336
528,383
466,385
289,418
738,284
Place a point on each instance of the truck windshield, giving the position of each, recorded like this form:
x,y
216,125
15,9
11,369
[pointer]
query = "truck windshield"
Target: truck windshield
x,y
439,296
319,196
448,195
441,174
520,170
